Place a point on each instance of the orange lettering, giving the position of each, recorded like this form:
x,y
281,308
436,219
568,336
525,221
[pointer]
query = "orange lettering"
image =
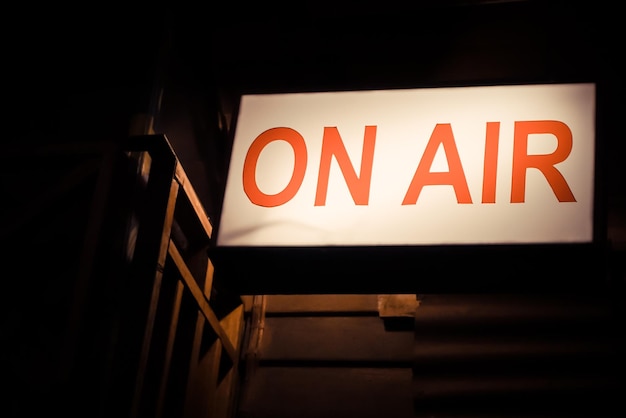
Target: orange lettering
x,y
359,186
545,162
490,165
442,134
250,186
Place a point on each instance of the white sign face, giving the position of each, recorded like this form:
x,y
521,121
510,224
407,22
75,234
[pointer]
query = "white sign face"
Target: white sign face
x,y
436,166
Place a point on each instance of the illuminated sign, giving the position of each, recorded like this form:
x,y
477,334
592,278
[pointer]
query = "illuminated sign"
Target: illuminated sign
x,y
458,165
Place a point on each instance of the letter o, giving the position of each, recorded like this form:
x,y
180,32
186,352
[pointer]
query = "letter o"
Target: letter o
x,y
250,186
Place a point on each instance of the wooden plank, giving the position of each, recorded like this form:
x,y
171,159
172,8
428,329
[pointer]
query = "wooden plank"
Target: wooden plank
x,y
394,306
227,389
202,301
137,312
254,334
208,279
247,302
439,310
341,339
226,395
279,392
291,304
169,348
190,192
233,326
203,374
158,266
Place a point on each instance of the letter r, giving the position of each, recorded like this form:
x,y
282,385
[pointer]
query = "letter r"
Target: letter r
x,y
544,162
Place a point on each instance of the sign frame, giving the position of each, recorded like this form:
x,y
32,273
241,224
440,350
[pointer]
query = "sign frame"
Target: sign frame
x,y
365,269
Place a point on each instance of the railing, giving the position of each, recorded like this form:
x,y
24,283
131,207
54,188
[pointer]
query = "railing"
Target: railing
x,y
113,305
188,351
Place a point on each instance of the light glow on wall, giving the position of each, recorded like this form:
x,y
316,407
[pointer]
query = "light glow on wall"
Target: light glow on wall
x,y
454,165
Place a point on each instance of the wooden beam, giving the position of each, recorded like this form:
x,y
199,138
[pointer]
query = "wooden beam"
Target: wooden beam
x,y
170,347
158,267
203,302
226,392
233,326
203,375
208,280
183,180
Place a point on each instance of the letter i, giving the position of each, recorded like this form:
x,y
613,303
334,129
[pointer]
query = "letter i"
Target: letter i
x,y
490,168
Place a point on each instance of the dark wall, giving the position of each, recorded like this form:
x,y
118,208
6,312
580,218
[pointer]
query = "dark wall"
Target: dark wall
x,y
75,73
84,74
318,46
188,111
367,45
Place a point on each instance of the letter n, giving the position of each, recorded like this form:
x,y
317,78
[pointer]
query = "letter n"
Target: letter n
x,y
359,186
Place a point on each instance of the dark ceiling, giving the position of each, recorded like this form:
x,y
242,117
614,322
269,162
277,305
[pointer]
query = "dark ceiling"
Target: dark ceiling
x,y
343,45
311,45
340,45
55,56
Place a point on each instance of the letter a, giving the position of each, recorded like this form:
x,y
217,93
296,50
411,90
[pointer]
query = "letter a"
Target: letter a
x,y
442,134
